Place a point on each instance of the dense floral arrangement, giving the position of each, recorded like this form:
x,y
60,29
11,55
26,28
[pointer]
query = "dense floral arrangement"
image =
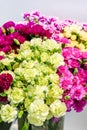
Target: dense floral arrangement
x,y
43,68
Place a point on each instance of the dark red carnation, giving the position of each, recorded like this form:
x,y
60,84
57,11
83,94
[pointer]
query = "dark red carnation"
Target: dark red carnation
x,y
3,99
5,81
1,57
79,105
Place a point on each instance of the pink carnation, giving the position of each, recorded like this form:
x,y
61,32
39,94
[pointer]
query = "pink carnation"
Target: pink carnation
x,y
66,82
72,63
72,53
77,92
67,100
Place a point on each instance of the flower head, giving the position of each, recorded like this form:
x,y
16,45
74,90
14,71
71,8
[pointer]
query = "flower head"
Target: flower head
x,y
5,81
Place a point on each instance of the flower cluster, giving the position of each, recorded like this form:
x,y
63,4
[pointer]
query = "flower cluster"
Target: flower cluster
x,y
43,68
77,35
73,78
34,83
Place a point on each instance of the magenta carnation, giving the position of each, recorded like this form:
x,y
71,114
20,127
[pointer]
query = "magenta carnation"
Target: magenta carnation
x,y
8,24
6,49
73,53
79,105
1,57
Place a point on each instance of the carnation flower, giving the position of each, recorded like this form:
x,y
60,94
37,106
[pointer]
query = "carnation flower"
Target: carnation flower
x,y
8,24
79,105
16,95
3,99
1,57
58,108
37,115
5,81
8,113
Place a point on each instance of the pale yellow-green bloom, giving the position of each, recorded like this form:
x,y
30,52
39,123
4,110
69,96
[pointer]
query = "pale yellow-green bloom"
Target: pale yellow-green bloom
x,y
82,47
15,95
75,28
40,92
66,29
36,42
54,78
83,35
19,71
2,53
54,93
51,44
58,108
19,56
44,57
8,113
46,69
29,91
38,112
19,84
27,102
27,54
73,37
57,60
30,74
67,34
11,55
73,44
43,81
25,46
6,61
37,53
29,64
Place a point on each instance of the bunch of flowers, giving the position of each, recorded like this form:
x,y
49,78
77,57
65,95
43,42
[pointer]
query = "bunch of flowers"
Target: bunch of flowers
x,y
29,82
43,68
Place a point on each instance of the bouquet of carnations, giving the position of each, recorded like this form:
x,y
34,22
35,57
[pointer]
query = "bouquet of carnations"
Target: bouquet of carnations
x,y
43,69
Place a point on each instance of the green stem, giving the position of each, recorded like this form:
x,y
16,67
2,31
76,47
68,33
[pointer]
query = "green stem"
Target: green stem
x,y
22,123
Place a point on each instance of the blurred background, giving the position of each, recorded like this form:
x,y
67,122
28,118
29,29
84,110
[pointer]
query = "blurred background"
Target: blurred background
x,y
64,9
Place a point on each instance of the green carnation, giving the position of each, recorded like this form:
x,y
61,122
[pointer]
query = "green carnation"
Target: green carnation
x,y
58,108
16,95
38,112
8,113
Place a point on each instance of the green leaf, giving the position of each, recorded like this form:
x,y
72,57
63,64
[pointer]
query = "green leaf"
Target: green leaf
x,y
25,127
20,113
3,94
